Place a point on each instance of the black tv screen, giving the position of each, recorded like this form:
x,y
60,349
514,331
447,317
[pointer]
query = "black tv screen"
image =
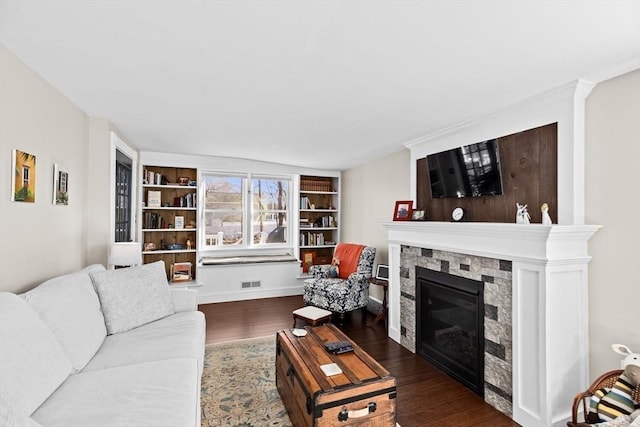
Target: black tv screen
x,y
469,171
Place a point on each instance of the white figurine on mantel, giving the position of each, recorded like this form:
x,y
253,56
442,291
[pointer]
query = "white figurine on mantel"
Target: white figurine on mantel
x,y
546,219
522,216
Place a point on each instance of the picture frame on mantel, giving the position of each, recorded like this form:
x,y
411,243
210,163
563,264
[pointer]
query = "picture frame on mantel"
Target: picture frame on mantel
x,y
417,215
403,210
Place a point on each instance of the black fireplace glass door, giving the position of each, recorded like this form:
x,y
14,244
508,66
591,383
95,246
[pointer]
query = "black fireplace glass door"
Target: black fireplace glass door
x,y
450,325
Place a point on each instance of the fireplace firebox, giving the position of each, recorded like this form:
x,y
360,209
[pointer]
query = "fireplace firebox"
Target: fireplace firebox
x,y
450,325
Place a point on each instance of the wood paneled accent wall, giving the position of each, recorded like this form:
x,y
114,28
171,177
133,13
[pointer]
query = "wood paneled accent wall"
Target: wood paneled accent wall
x,y
529,165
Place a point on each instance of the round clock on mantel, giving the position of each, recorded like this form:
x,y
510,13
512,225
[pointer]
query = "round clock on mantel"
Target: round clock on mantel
x,y
458,214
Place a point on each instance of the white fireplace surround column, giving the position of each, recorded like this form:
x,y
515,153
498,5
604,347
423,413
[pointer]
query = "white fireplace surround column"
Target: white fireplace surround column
x,y
550,303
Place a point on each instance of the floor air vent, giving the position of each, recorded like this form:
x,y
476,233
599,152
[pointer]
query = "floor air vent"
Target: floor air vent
x,y
254,284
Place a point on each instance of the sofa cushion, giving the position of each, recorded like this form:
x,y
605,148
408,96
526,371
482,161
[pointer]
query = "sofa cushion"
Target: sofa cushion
x,y
154,394
131,297
9,418
82,333
184,299
32,363
177,336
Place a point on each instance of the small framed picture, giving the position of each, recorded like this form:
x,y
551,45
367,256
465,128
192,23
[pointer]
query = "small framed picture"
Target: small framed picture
x,y
60,186
179,222
24,177
382,272
403,210
417,215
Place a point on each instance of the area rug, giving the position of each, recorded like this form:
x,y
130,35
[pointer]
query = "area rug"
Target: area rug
x,y
239,385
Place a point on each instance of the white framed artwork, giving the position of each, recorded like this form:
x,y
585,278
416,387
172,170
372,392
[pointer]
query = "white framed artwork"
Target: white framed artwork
x,y
60,186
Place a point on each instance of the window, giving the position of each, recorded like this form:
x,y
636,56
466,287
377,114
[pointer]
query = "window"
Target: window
x,y
26,173
245,211
269,212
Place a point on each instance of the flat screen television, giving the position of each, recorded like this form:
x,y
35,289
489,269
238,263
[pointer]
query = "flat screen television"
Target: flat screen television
x,y
469,171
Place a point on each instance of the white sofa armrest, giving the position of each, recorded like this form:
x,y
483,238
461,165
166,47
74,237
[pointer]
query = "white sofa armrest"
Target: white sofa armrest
x,y
185,299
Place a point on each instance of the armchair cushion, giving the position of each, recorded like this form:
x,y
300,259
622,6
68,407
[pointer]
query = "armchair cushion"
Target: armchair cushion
x,y
336,295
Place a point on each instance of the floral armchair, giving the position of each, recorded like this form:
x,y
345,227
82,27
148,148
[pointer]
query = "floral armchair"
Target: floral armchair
x,y
350,290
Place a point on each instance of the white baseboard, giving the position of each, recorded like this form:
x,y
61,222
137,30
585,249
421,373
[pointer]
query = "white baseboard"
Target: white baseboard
x,y
249,294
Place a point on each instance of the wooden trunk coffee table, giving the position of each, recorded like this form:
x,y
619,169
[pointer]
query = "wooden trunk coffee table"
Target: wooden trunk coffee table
x,y
364,394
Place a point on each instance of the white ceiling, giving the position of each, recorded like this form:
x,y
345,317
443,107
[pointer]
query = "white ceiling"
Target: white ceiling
x,y
325,84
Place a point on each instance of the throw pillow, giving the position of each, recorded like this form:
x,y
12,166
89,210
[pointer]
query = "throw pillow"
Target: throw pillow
x,y
81,334
134,296
609,404
32,363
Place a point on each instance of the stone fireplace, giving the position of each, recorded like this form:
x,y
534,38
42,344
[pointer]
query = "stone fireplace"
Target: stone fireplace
x,y
496,347
535,301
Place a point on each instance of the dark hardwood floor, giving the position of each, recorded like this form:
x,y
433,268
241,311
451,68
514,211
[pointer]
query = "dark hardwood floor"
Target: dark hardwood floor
x,y
426,395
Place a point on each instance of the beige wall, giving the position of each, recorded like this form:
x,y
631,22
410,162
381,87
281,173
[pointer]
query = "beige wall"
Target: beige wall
x,y
98,200
613,200
39,240
369,193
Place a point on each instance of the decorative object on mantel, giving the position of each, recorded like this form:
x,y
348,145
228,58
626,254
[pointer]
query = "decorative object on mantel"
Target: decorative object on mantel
x,y
546,219
417,215
403,210
522,216
459,214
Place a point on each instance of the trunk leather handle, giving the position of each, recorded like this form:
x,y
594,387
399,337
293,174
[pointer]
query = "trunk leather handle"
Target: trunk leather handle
x,y
345,414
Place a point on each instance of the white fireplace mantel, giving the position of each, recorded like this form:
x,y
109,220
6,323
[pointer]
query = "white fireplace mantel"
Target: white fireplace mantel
x,y
550,303
513,242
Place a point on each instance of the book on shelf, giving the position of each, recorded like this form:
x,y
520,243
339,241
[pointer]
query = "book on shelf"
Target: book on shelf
x,y
305,203
153,178
187,201
153,221
312,239
304,223
154,199
315,185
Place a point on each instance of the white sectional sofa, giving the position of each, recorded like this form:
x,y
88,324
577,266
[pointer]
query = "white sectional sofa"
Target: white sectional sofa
x,y
101,348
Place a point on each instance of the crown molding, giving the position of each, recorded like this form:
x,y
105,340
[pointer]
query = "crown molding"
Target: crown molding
x,y
579,87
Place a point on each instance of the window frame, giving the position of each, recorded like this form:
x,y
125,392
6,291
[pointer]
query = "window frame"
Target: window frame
x,y
26,176
247,213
